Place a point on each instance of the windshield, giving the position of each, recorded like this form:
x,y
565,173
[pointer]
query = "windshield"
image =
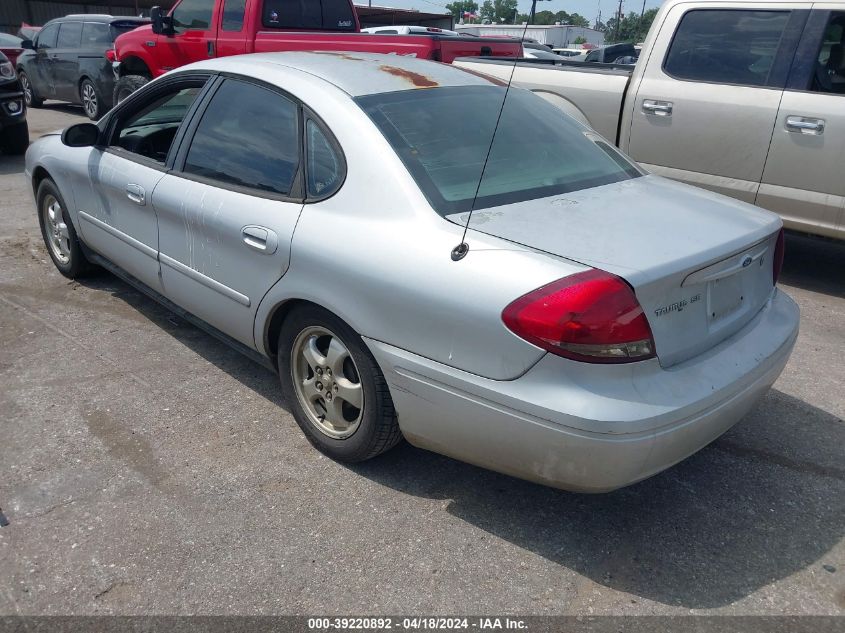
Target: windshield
x,y
443,135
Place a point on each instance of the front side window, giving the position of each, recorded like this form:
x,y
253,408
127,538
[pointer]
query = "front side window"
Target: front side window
x,y
248,137
70,35
95,34
47,36
830,65
149,131
193,15
325,168
443,136
323,15
233,15
726,46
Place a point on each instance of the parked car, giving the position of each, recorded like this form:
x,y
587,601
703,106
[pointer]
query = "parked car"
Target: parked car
x,y
28,31
602,325
409,30
14,131
537,51
195,30
70,60
569,52
10,46
741,98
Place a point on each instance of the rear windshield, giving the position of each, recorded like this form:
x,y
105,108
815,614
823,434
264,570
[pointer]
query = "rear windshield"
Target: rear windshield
x,y
443,136
323,15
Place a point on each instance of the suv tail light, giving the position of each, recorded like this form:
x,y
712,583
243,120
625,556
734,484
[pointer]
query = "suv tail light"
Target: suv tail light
x,y
111,55
591,316
777,260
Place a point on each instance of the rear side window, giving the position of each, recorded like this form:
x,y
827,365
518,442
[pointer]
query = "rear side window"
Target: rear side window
x,y
248,137
70,35
325,168
726,46
47,37
95,34
233,15
193,15
325,15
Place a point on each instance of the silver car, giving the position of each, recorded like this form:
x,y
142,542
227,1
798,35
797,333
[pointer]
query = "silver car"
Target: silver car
x,y
597,324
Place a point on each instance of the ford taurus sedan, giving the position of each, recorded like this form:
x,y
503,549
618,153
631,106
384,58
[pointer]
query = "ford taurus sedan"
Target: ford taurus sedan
x,y
595,326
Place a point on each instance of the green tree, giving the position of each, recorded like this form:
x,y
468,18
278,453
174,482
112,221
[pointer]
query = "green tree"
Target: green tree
x,y
579,40
631,29
499,11
578,20
458,7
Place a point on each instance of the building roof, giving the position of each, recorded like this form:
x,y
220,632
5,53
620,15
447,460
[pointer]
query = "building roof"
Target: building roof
x,y
357,74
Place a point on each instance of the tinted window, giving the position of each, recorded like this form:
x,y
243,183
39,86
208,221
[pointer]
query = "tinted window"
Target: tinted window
x,y
249,137
329,15
233,15
95,34
194,15
70,35
123,26
725,46
443,136
324,169
47,36
149,131
830,65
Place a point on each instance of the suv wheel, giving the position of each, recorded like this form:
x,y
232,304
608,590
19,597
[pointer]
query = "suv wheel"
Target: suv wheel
x,y
29,92
334,388
91,101
126,85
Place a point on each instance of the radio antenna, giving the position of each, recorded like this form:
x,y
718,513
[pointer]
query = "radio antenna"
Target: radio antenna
x,y
461,250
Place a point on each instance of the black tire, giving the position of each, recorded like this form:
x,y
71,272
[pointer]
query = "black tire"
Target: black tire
x,y
15,139
126,85
378,430
92,100
77,265
32,100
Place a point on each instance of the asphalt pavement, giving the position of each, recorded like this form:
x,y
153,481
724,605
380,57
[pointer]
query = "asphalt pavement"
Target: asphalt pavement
x,y
147,468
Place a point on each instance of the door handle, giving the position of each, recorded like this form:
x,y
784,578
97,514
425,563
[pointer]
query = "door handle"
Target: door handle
x,y
658,108
210,48
260,239
136,194
805,125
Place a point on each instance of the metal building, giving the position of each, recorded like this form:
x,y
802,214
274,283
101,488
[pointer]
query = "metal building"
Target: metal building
x,y
554,35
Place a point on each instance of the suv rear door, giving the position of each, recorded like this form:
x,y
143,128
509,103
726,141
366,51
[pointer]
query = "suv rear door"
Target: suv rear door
x,y
705,108
65,68
195,34
803,179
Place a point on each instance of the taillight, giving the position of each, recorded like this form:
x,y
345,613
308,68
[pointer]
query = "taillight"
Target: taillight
x,y
111,55
591,316
777,260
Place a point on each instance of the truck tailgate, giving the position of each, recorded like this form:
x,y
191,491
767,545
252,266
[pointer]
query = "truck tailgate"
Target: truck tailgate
x,y
593,93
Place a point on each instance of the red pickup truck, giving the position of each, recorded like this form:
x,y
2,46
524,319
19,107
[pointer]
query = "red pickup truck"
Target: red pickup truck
x,y
199,29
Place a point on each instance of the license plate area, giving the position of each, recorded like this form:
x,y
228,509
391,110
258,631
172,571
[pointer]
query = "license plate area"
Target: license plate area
x,y
726,297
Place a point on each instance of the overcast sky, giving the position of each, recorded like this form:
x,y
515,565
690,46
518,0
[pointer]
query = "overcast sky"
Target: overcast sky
x,y
587,8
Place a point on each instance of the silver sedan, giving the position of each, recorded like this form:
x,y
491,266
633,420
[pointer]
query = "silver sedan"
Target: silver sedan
x,y
594,326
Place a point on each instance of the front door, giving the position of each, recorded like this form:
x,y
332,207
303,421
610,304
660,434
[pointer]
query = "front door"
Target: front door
x,y
704,114
118,218
194,37
41,74
228,210
803,180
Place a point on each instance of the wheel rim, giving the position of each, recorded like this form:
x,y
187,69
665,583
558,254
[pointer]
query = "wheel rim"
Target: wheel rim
x,y
58,237
327,382
27,89
89,100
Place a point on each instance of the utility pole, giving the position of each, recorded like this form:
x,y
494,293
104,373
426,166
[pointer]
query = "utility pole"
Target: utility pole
x,y
618,21
642,13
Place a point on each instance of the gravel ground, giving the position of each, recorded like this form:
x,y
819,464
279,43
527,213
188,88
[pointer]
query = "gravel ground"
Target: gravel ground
x,y
147,468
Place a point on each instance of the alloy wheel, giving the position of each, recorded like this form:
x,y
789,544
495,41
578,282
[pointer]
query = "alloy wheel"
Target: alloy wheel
x,y
58,237
327,382
89,100
27,90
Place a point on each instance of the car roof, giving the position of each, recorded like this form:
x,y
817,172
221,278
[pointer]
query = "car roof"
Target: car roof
x,y
98,17
355,73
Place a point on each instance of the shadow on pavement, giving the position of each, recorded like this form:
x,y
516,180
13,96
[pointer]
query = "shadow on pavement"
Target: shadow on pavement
x,y
814,264
11,165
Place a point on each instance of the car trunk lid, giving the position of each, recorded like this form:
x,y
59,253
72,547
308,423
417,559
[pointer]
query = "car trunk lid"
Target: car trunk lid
x,y
700,264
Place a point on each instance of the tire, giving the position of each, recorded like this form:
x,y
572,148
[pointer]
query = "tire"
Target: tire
x,y
32,101
126,85
375,428
91,100
60,229
15,139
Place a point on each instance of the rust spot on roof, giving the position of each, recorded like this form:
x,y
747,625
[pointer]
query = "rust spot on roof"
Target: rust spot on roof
x,y
493,80
417,79
340,54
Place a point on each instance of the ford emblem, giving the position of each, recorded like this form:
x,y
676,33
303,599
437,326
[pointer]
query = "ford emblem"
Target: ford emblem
x,y
747,261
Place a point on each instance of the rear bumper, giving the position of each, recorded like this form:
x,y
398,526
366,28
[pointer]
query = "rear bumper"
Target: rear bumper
x,y
590,428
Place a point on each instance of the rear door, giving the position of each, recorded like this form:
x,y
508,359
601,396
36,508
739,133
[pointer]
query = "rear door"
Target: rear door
x,y
704,113
231,35
228,210
194,38
65,67
803,179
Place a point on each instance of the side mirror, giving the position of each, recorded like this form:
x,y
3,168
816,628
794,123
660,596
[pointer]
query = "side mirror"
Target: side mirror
x,y
162,23
81,135
27,44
